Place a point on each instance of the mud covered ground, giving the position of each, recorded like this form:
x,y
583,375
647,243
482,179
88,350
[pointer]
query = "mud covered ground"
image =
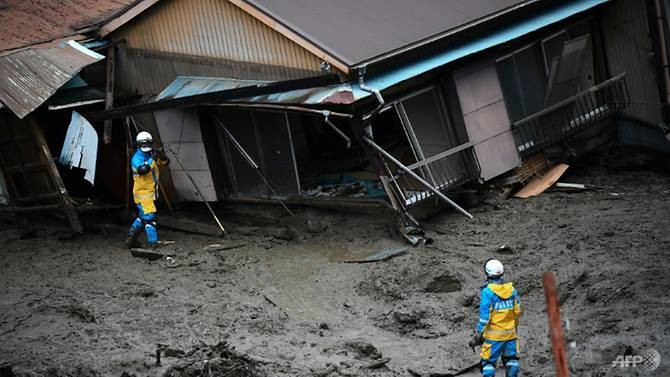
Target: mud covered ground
x,y
268,306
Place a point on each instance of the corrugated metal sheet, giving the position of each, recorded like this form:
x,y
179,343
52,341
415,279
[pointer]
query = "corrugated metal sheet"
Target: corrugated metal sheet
x,y
27,22
29,77
215,29
80,148
356,31
629,50
184,86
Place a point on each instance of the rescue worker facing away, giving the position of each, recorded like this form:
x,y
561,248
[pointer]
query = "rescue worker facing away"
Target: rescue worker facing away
x,y
499,311
144,164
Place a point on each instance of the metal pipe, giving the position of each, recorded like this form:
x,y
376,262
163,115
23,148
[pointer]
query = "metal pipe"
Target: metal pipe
x,y
326,115
664,49
417,177
287,108
252,163
369,89
197,189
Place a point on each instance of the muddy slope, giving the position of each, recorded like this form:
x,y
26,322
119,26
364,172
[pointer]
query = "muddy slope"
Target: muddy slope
x,y
277,307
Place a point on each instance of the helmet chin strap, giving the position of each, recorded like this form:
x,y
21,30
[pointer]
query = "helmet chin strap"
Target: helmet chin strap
x,y
146,149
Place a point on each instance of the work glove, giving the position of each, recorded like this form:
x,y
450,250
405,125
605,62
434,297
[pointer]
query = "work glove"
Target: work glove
x,y
477,340
159,154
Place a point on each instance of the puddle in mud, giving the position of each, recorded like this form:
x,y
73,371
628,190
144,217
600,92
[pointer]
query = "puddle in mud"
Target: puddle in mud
x,y
444,283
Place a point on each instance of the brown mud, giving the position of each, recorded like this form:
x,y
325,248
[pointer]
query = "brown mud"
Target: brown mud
x,y
291,307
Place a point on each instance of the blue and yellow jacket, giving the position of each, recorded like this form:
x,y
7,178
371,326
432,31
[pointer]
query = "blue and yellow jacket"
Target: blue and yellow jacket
x,y
145,186
499,311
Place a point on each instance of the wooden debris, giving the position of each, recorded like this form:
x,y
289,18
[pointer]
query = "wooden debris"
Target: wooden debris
x,y
541,184
190,226
555,326
378,363
381,256
222,247
266,231
145,253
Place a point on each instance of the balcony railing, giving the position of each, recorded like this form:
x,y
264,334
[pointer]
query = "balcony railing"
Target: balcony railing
x,y
444,171
569,116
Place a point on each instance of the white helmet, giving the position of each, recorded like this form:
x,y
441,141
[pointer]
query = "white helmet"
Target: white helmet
x,y
494,268
144,141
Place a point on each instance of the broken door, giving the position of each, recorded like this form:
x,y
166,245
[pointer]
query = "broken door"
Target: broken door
x,y
486,119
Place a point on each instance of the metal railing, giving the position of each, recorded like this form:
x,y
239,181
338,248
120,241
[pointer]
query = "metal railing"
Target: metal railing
x,y
571,115
444,171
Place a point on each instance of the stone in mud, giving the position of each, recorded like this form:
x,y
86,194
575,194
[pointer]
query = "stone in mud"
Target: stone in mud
x,y
363,349
466,300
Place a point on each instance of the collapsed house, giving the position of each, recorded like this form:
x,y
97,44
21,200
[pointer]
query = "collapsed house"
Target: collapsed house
x,y
327,103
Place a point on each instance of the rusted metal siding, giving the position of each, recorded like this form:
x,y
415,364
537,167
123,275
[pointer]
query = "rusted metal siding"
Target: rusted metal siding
x,y
29,77
629,49
212,38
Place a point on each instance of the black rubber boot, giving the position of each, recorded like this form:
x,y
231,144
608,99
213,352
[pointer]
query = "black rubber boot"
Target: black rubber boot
x,y
132,242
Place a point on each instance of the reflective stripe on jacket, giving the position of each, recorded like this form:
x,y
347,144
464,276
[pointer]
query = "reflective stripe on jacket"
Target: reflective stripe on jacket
x,y
499,311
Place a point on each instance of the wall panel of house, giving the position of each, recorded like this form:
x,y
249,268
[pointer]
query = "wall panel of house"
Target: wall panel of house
x,y
180,133
629,49
206,38
486,119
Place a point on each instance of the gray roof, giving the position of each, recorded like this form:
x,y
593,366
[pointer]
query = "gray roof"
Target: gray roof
x,y
355,31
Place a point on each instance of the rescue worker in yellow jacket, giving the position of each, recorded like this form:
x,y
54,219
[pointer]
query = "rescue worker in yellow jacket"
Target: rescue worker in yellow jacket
x,y
145,167
499,312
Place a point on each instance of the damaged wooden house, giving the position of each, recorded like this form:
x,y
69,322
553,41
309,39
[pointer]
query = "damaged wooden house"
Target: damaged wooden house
x,y
379,102
50,65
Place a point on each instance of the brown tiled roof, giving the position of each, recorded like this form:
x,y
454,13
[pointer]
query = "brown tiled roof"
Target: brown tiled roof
x,y
26,22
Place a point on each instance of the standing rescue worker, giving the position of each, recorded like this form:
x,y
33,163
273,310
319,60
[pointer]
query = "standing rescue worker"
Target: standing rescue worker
x,y
144,164
499,312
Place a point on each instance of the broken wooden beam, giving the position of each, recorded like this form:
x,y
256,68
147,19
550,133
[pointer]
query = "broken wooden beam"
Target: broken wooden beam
x,y
45,156
190,226
109,93
555,326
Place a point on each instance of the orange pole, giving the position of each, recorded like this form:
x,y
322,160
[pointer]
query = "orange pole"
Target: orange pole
x,y
555,326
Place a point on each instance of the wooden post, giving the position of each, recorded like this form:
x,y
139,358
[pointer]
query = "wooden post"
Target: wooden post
x,y
68,205
555,326
129,175
109,92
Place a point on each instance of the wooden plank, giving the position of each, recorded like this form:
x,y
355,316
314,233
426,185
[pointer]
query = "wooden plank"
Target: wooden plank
x,y
380,256
44,208
539,185
109,93
15,139
26,168
189,226
68,205
47,196
555,326
18,155
125,17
